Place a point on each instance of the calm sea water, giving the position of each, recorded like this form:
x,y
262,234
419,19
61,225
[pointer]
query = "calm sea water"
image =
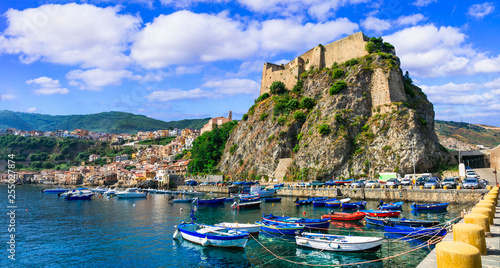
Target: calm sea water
x,y
52,232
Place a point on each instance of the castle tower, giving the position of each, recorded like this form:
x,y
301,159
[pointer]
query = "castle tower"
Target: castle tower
x,y
230,116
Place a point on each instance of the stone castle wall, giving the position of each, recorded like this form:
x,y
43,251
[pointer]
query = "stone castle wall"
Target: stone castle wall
x,y
386,87
318,57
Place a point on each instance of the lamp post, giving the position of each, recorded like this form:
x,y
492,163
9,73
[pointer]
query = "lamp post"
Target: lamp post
x,y
495,172
413,158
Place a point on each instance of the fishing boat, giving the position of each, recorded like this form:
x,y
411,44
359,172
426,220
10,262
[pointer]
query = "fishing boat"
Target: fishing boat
x,y
272,199
322,203
415,231
339,242
131,193
215,236
430,207
355,205
343,182
249,198
213,201
183,200
340,216
191,192
257,190
308,201
229,199
54,191
279,228
391,206
79,195
308,223
402,222
381,213
110,192
245,227
253,204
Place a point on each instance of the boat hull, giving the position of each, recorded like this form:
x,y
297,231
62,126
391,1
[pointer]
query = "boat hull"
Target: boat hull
x,y
282,229
128,195
385,213
357,205
339,243
215,201
307,223
78,197
402,222
54,191
250,228
344,216
415,231
272,199
255,204
430,207
237,241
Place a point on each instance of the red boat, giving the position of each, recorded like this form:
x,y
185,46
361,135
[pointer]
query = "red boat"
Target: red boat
x,y
381,213
340,216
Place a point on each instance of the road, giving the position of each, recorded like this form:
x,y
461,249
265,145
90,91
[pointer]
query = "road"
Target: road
x,y
487,174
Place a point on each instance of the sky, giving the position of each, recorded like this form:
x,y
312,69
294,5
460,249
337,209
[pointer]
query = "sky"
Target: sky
x,y
174,60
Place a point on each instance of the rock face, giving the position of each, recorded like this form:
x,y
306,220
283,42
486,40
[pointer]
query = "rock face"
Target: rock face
x,y
364,129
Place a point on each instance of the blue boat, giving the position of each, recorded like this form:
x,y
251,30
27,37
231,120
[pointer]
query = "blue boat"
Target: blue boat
x,y
391,206
308,223
184,200
415,231
333,204
322,203
430,207
229,199
355,205
54,191
280,228
330,183
79,195
308,201
272,199
213,201
401,222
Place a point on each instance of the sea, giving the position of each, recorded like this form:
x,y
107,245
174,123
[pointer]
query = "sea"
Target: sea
x,y
52,232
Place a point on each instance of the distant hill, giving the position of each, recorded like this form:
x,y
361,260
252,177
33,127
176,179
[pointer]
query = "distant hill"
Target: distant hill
x,y
108,122
465,136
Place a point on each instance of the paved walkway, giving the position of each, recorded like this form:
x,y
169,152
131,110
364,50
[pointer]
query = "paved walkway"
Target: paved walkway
x,y
491,260
487,174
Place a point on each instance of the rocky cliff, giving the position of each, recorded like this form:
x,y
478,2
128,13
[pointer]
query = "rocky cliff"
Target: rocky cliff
x,y
354,119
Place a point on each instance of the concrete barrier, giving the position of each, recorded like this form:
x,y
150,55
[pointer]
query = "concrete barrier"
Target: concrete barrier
x,y
445,187
433,187
470,234
457,255
485,211
459,187
489,187
479,219
421,187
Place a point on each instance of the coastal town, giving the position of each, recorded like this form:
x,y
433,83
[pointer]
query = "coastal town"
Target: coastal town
x,y
156,163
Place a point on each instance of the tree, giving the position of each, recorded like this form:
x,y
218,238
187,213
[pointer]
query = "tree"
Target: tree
x,y
278,88
48,165
307,103
300,116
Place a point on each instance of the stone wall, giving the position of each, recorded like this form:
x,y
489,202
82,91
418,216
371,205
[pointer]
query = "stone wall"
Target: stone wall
x,y
386,87
281,169
319,57
495,158
410,195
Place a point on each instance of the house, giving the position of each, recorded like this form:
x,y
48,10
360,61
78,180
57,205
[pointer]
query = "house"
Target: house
x,y
94,157
109,178
216,121
75,178
120,158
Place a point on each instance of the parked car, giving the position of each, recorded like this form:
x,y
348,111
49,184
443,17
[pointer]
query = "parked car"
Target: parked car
x,y
451,182
358,184
369,184
432,182
406,182
191,183
420,181
472,183
393,182
470,174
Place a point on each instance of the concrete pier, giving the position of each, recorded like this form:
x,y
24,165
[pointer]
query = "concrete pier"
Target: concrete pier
x,y
492,257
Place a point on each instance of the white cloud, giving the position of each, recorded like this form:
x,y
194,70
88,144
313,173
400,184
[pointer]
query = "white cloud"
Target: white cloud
x,y
31,110
375,24
69,34
6,96
177,94
478,11
95,79
188,3
423,3
234,86
410,19
184,37
48,86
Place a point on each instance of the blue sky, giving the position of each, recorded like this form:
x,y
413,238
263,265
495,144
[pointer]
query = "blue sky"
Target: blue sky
x,y
174,60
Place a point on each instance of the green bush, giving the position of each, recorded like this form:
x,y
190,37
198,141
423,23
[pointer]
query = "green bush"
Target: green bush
x,y
262,97
324,129
307,103
281,120
296,148
263,116
297,89
352,62
423,122
233,149
245,117
300,116
338,73
365,127
337,87
48,165
299,137
378,45
278,88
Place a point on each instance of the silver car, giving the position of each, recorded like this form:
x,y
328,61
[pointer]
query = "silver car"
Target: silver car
x,y
472,183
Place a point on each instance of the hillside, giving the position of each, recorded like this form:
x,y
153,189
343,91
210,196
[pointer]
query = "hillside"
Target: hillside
x,y
465,136
108,122
353,119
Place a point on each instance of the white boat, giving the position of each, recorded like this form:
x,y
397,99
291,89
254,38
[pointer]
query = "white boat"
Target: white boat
x,y
245,227
131,193
339,242
207,235
110,192
99,190
256,190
